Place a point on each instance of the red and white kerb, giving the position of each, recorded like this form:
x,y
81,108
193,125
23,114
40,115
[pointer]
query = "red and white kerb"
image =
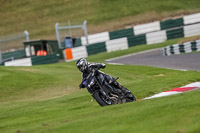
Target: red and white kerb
x,y
189,87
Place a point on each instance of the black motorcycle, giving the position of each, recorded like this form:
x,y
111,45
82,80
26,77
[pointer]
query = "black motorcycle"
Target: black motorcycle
x,y
102,93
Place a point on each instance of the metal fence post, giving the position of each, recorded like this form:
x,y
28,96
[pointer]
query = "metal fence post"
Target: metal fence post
x,y
83,27
0,55
12,38
85,31
57,34
27,35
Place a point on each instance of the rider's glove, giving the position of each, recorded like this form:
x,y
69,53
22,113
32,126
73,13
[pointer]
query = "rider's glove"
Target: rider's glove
x,y
81,86
103,65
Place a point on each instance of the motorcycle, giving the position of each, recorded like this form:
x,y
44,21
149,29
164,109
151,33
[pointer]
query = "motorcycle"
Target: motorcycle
x,y
101,92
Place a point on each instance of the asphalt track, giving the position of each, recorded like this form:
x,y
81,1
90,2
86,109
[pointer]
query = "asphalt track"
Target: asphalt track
x,y
189,61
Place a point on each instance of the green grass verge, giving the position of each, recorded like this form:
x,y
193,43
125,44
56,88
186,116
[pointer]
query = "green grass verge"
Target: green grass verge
x,y
46,98
75,113
39,17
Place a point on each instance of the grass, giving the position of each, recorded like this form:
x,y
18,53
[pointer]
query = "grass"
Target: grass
x,y
46,98
39,17
75,113
189,39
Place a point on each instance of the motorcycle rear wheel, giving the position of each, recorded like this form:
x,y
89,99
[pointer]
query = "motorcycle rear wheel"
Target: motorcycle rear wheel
x,y
130,98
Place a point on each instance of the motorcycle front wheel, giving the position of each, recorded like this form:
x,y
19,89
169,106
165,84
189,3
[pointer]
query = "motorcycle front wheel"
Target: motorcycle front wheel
x,y
101,100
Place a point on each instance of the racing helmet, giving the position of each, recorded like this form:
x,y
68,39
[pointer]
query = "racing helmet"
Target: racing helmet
x,y
82,64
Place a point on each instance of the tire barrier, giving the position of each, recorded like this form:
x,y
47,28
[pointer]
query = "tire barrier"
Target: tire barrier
x,y
96,38
150,33
156,37
186,47
145,28
141,29
117,44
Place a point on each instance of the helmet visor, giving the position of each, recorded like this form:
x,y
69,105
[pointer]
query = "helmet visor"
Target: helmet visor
x,y
81,67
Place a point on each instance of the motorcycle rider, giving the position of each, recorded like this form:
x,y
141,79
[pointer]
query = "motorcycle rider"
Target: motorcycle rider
x,y
86,68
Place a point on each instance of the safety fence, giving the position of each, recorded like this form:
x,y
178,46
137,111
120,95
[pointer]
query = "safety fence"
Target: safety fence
x,y
151,33
186,47
11,47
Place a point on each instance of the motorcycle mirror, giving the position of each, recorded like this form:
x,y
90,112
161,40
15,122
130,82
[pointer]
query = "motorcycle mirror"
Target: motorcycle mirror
x,y
117,78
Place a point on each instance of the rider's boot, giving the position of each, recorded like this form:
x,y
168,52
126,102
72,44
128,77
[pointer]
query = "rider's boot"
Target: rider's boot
x,y
124,90
113,90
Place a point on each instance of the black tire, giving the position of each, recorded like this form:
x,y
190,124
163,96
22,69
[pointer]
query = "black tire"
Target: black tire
x,y
130,98
100,100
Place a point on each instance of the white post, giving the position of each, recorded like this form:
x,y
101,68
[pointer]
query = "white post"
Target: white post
x,y
27,35
0,56
85,31
70,31
57,34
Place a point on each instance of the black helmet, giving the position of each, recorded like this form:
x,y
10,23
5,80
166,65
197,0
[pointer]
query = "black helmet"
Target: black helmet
x,y
82,64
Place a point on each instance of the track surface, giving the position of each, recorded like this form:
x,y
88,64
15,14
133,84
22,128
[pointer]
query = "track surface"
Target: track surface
x,y
155,58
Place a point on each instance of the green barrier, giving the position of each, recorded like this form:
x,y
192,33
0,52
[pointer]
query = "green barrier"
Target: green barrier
x,y
77,42
121,33
96,48
171,23
194,46
38,60
177,33
62,44
136,40
171,49
16,54
181,48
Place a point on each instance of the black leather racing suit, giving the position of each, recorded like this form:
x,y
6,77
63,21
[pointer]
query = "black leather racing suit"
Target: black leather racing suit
x,y
108,79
